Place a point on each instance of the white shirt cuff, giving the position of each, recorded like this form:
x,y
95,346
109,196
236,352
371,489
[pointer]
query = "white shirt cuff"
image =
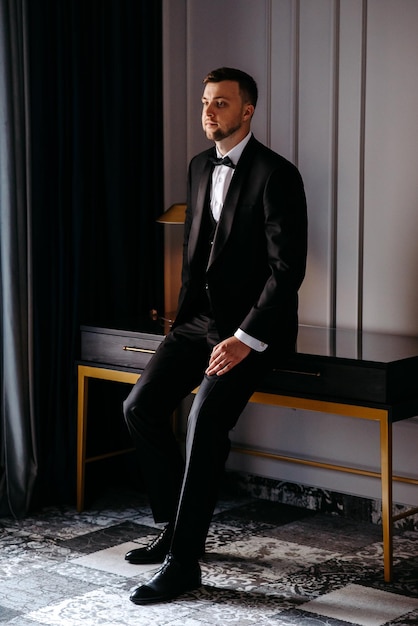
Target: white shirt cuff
x,y
251,342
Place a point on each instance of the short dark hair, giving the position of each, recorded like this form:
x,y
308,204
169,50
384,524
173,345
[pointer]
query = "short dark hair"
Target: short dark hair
x,y
247,84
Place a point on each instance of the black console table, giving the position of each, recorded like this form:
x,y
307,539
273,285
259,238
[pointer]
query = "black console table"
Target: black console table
x,y
369,376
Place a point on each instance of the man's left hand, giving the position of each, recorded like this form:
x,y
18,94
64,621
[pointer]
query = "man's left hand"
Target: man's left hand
x,y
225,355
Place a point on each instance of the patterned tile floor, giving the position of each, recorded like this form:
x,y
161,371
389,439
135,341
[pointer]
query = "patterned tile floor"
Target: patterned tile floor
x,y
266,564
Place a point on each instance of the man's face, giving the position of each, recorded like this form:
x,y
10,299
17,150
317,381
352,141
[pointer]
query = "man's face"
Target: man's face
x,y
223,112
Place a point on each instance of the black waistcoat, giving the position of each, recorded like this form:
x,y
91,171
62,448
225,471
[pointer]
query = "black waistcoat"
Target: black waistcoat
x,y
205,242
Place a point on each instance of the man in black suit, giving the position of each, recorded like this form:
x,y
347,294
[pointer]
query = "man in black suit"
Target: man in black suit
x,y
244,258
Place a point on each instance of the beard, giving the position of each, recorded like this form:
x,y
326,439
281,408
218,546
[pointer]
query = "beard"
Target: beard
x,y
219,134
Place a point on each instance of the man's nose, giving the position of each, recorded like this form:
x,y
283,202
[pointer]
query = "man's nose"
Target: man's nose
x,y
209,110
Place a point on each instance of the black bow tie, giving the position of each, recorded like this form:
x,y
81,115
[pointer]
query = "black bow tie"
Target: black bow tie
x,y
222,161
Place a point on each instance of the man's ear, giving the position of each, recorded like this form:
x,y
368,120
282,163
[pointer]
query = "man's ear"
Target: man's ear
x,y
248,112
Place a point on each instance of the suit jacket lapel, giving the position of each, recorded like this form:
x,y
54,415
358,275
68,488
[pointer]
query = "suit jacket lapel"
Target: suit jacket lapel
x,y
199,208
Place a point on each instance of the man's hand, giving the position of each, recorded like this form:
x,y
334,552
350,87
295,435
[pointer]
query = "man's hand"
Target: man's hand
x,y
225,355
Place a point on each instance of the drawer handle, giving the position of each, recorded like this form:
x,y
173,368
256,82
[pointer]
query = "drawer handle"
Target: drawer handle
x,y
316,374
132,349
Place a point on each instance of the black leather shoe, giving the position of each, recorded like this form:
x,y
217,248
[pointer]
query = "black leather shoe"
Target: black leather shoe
x,y
155,552
170,581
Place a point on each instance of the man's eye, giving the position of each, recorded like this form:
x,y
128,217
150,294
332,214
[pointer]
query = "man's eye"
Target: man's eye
x,y
220,103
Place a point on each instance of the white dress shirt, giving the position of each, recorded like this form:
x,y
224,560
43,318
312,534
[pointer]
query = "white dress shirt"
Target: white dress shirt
x,y
221,178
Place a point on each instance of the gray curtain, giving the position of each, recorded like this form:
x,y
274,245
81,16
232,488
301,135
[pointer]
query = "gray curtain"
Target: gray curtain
x,y
18,460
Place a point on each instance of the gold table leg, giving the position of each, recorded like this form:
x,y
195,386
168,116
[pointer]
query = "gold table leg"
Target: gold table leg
x,y
81,435
387,495
85,372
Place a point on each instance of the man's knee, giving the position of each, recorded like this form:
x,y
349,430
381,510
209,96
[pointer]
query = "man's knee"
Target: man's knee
x,y
143,406
128,409
131,406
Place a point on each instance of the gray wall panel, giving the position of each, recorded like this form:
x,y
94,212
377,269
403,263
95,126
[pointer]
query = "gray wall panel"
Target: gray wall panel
x,y
339,97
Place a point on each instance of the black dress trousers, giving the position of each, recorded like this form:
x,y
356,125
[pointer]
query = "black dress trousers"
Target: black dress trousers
x,y
185,491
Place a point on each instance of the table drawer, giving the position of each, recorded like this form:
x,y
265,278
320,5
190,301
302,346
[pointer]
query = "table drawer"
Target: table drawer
x,y
317,377
118,348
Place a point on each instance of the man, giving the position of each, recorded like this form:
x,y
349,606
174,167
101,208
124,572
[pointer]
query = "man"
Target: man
x,y
244,261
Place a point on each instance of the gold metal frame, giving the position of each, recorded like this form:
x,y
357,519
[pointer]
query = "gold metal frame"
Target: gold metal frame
x,y
85,372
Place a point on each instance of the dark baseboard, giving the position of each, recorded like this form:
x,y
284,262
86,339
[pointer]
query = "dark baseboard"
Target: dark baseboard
x,y
352,507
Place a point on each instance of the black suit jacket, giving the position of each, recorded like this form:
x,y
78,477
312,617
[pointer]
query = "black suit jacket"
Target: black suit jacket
x,y
258,257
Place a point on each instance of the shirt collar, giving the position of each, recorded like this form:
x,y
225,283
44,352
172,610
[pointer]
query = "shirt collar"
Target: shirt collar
x,y
237,150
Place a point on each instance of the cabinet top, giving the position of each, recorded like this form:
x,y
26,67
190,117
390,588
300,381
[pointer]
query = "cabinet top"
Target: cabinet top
x,y
348,343
341,343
